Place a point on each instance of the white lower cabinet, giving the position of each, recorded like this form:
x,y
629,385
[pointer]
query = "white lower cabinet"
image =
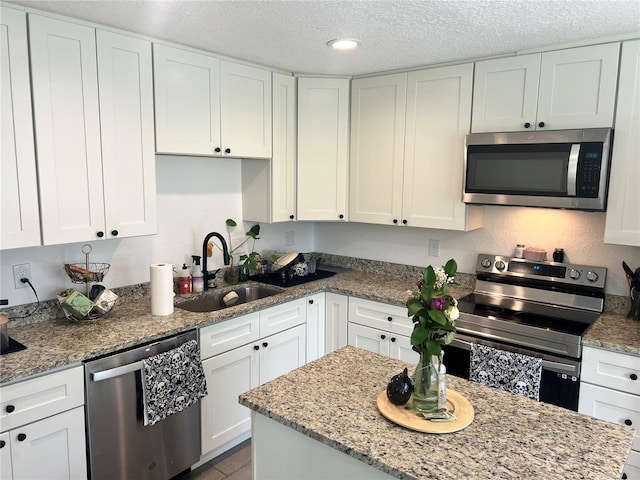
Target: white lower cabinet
x,y
610,390
237,357
43,434
336,314
381,328
315,326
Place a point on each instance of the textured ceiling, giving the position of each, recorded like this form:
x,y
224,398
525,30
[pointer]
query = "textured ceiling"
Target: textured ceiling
x,y
292,35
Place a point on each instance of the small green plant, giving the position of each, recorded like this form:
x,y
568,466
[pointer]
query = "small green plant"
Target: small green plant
x,y
248,260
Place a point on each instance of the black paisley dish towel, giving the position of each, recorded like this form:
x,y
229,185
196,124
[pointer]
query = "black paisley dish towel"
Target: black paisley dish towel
x,y
172,381
513,372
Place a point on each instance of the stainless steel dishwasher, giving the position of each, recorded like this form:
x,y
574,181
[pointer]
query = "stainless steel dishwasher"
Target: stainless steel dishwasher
x,y
120,446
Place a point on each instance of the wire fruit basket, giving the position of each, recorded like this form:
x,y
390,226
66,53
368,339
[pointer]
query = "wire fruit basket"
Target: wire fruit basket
x,y
77,306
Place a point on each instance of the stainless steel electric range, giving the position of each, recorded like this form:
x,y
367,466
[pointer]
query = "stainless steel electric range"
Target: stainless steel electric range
x,y
541,309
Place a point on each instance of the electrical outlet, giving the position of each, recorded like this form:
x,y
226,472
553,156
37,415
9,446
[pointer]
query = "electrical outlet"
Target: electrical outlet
x,y
434,247
21,271
290,238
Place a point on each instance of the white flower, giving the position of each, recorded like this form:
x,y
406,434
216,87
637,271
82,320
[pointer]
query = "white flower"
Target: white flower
x,y
452,312
441,277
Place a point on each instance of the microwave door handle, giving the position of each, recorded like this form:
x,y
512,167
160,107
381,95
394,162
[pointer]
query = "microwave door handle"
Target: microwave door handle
x,y
572,169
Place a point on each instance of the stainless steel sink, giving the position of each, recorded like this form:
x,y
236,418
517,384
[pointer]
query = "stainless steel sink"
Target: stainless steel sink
x,y
217,301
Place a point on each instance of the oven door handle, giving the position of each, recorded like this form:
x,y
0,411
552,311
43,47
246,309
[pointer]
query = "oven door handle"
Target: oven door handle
x,y
559,367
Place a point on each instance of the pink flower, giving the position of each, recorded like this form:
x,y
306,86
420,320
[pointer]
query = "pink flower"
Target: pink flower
x,y
437,303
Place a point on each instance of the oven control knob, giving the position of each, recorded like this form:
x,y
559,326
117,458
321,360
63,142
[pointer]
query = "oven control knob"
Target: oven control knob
x,y
592,276
500,265
486,263
574,274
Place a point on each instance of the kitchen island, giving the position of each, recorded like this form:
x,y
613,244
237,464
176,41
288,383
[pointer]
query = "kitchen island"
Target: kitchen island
x,y
321,421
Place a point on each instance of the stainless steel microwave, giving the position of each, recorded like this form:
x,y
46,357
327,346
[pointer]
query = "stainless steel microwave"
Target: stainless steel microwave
x,y
555,169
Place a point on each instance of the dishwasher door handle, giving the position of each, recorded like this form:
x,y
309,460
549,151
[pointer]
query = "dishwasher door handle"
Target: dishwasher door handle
x,y
116,372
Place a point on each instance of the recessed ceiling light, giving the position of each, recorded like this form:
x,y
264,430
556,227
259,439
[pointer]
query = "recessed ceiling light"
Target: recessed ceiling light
x,y
343,44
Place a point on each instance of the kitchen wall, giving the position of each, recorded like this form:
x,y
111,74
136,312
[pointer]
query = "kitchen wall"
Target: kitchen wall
x,y
195,196
579,233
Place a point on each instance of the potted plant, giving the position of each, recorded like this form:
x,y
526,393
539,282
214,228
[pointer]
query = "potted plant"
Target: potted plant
x,y
249,262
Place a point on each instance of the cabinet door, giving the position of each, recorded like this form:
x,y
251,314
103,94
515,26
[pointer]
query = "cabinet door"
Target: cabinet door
x,y
245,110
400,348
578,87
187,101
381,316
125,79
278,318
53,448
283,163
335,321
67,128
315,326
323,148
6,469
281,353
19,214
611,369
438,118
611,405
228,375
505,94
377,148
372,339
41,397
623,215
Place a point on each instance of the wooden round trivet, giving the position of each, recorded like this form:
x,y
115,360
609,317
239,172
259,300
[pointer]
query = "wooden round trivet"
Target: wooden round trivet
x,y
408,417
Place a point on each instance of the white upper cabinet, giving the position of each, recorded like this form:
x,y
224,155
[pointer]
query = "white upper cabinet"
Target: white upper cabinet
x,y
187,101
208,106
378,106
67,126
19,222
407,137
622,225
562,89
94,136
323,148
438,118
269,187
245,110
283,163
125,82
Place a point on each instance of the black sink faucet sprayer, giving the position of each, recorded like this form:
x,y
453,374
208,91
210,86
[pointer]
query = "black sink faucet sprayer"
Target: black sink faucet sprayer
x,y
225,256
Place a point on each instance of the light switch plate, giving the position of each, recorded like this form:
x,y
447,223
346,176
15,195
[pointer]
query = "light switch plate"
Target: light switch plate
x,y
434,247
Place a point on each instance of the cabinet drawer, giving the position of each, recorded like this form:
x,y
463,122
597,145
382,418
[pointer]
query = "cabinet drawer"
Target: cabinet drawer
x,y
224,336
41,397
281,317
617,407
632,469
611,369
391,318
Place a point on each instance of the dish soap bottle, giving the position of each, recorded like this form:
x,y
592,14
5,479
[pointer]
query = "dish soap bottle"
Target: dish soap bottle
x,y
197,277
185,280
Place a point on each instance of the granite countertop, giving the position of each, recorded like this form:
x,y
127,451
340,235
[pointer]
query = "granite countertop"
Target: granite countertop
x,y
511,437
61,342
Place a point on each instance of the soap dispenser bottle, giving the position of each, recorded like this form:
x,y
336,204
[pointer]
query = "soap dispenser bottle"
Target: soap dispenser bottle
x,y
197,277
185,280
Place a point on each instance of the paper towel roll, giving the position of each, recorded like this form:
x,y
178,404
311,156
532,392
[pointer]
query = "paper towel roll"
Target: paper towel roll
x,y
161,289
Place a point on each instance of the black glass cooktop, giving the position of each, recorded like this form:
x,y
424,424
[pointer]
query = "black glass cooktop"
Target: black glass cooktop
x,y
284,279
467,305
14,346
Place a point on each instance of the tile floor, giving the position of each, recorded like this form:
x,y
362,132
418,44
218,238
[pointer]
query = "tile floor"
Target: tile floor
x,y
232,465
